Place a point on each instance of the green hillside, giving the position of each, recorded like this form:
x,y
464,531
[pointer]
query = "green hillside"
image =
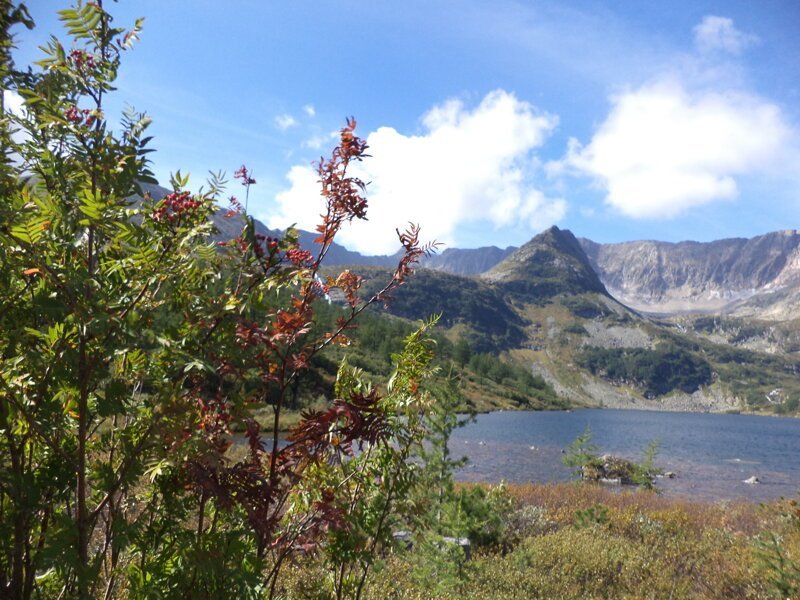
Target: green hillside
x,y
594,351
486,380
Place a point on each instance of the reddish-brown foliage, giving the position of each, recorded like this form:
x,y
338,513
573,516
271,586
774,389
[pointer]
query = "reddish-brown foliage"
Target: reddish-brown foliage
x,y
280,346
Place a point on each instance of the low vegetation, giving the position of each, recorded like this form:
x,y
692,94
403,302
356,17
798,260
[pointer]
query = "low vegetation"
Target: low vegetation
x,y
655,372
585,541
587,463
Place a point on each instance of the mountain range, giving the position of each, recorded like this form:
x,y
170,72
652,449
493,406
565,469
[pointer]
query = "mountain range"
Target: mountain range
x,y
643,324
648,325
759,276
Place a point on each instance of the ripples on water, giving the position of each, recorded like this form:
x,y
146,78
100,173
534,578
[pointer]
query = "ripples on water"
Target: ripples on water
x,y
711,453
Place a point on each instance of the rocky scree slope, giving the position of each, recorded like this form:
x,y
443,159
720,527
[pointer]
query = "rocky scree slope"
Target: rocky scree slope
x,y
720,276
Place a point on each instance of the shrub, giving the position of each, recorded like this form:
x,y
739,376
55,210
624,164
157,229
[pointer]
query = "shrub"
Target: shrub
x,y
777,552
576,328
527,521
584,458
134,345
586,308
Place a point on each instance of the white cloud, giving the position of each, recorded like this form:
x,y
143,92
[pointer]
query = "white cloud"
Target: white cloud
x,y
718,33
13,102
467,166
318,142
284,122
297,209
309,110
663,150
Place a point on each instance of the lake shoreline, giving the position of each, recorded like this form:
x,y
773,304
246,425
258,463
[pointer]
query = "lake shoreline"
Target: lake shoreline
x,y
713,454
670,409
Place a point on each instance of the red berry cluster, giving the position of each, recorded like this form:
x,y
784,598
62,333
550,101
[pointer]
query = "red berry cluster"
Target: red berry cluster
x,y
72,114
173,205
270,242
265,242
79,115
299,256
82,60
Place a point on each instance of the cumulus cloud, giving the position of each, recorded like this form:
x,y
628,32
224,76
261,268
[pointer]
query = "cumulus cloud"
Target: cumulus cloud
x,y
309,110
284,122
301,203
719,34
468,165
13,102
663,150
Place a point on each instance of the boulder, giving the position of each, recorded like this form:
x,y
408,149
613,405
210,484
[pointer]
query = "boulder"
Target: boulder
x,y
403,539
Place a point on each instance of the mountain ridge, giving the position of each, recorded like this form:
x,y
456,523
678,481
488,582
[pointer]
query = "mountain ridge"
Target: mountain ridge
x,y
756,277
718,276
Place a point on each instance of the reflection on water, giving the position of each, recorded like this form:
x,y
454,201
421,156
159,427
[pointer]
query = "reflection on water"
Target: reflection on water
x,y
711,454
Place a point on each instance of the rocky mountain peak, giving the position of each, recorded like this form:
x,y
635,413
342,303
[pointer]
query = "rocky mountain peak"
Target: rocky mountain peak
x,y
551,263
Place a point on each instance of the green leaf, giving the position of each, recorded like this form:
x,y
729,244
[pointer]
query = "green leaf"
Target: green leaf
x,y
35,333
198,365
31,231
113,401
156,469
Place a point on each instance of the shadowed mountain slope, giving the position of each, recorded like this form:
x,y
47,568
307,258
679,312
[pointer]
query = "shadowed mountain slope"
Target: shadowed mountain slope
x,y
552,263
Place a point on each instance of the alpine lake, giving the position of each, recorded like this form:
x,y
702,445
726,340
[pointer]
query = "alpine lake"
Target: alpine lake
x,y
712,455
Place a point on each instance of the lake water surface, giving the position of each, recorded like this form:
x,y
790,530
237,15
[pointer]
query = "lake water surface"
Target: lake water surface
x,y
710,453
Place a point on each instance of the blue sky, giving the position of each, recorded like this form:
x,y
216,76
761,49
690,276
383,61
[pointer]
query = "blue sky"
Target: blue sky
x,y
487,121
